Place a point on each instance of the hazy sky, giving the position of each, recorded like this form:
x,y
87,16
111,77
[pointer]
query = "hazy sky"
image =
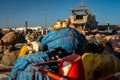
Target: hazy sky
x,y
15,12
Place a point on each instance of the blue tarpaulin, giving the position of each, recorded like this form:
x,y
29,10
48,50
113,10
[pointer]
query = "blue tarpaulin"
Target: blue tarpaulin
x,y
53,39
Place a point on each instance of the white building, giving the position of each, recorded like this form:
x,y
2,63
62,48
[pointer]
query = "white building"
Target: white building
x,y
23,28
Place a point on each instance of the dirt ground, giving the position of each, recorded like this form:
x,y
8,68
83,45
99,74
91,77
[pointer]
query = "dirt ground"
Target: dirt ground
x,y
4,71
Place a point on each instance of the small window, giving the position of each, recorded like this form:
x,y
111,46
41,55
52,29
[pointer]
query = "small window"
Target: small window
x,y
79,16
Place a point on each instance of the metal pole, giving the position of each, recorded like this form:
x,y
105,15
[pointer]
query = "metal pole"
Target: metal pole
x,y
82,3
7,22
45,18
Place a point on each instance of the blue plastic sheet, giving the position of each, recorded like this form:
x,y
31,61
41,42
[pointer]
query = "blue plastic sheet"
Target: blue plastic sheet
x,y
64,38
55,38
